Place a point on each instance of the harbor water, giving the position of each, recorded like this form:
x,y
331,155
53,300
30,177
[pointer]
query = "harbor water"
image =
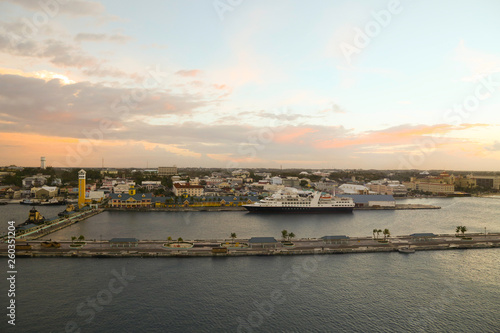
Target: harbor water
x,y
429,291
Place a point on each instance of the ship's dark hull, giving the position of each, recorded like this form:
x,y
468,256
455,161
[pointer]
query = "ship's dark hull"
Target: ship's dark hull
x,y
298,210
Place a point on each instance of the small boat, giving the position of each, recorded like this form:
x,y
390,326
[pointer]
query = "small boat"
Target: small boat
x,y
29,202
406,250
52,201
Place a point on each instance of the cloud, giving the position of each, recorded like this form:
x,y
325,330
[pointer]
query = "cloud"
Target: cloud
x,y
494,147
403,134
73,7
61,54
189,73
479,64
92,37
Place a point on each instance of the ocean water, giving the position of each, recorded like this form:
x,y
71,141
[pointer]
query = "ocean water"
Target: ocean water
x,y
442,291
475,213
434,291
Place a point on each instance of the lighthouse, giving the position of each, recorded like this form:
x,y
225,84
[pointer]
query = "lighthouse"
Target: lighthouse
x,y
81,188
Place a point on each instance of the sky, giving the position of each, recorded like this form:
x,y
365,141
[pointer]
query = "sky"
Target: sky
x,y
239,84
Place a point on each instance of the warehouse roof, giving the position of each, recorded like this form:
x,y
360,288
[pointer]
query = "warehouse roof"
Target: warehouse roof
x,y
365,198
262,240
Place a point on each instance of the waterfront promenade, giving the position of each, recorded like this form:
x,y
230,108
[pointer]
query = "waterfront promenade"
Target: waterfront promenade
x,y
213,247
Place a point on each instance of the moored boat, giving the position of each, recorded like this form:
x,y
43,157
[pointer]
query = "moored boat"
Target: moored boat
x,y
406,250
291,200
29,202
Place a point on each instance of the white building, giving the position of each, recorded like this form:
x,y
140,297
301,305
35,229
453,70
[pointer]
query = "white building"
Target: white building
x,y
354,189
276,180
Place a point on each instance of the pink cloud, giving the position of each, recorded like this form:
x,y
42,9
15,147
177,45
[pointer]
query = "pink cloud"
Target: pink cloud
x,y
397,135
292,134
189,73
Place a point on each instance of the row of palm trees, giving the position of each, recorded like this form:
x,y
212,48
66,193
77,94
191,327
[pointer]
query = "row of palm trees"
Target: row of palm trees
x,y
462,229
178,239
385,232
286,235
81,238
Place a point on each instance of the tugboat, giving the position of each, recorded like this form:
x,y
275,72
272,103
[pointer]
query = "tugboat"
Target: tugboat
x,y
35,217
68,211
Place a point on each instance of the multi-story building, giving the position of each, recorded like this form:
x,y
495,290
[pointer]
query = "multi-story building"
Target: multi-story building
x,y
240,173
276,180
123,187
167,171
425,185
325,186
151,184
489,182
191,190
37,180
388,187
131,199
291,182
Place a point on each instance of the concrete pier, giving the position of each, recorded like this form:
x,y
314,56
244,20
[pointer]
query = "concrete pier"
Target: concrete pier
x,y
52,226
204,248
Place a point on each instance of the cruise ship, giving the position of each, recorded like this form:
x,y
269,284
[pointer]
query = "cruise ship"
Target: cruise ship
x,y
291,200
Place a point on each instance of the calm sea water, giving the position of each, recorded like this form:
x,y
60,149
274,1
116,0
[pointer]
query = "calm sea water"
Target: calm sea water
x,y
442,291
475,213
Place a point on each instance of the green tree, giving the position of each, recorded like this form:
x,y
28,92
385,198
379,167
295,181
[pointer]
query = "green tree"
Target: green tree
x,y
290,236
458,229
386,233
73,239
233,236
179,240
463,229
284,234
374,232
81,238
169,238
378,232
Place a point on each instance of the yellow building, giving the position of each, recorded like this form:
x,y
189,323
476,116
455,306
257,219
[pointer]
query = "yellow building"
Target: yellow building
x,y
81,188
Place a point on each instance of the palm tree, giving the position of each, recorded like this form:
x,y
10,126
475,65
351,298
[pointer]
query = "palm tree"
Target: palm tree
x,y
374,232
291,235
386,233
378,232
458,229
284,233
179,240
169,238
81,238
463,229
73,239
233,236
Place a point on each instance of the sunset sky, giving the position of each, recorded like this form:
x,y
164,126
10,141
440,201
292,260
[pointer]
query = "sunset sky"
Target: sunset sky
x,y
219,83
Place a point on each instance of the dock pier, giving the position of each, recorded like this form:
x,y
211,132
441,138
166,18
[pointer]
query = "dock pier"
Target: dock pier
x,y
242,247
